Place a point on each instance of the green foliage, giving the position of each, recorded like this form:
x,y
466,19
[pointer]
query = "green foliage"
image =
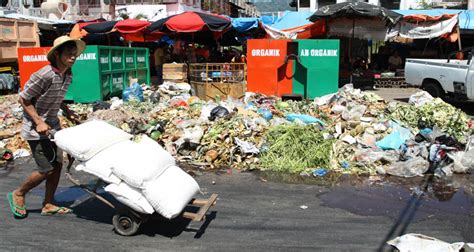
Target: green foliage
x,y
295,148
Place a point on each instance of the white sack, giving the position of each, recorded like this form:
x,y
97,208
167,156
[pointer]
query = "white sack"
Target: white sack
x,y
86,140
101,164
142,162
131,197
171,192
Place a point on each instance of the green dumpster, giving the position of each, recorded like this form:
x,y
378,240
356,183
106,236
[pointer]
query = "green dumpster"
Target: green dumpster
x,y
316,70
102,72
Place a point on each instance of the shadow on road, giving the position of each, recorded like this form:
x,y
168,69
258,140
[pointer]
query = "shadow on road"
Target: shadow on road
x,y
159,225
407,214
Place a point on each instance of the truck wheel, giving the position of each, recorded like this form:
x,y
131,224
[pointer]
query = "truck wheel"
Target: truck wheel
x,y
434,90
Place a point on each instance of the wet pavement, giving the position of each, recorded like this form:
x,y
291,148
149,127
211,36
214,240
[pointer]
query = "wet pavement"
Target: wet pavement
x,y
256,212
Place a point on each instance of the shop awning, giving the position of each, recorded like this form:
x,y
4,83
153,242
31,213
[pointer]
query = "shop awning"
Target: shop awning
x,y
422,26
464,15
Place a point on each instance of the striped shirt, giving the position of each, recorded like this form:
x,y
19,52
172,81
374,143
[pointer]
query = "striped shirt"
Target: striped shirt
x,y
45,89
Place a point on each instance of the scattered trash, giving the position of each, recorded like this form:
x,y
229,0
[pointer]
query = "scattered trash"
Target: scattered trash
x,y
6,154
21,153
218,112
133,92
320,172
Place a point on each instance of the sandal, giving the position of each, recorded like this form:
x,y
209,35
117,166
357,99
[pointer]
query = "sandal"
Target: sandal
x,y
14,207
57,211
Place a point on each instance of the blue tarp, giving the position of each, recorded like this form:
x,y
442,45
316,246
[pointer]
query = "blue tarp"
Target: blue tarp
x,y
269,20
291,19
464,15
244,24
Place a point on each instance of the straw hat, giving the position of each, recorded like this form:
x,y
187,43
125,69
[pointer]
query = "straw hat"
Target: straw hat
x,y
63,39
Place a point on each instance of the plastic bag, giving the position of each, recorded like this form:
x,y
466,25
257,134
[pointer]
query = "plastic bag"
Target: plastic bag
x,y
420,98
134,92
100,105
463,161
421,243
354,114
307,119
265,113
394,140
218,112
410,168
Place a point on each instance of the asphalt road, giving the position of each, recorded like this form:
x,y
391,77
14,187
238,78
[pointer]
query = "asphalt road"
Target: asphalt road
x,y
254,212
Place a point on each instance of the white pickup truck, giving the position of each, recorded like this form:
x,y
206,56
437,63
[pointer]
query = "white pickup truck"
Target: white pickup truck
x,y
442,77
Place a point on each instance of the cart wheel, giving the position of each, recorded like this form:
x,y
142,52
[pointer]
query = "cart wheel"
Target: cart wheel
x,y
125,224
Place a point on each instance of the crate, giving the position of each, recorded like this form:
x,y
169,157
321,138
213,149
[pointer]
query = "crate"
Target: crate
x,y
210,81
175,72
15,34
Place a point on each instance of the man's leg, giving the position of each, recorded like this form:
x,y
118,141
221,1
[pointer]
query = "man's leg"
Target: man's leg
x,y
52,181
31,182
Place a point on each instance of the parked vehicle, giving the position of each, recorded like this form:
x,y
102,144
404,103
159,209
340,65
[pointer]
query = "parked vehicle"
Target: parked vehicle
x,y
452,78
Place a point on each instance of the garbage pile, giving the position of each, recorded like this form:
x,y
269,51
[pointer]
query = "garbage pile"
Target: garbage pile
x,y
11,144
350,132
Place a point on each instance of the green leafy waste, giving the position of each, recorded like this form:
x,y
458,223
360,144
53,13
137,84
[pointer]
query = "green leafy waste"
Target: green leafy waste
x,y
437,112
295,148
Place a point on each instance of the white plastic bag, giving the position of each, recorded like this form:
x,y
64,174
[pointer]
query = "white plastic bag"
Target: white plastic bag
x,y
171,191
421,243
86,140
463,161
131,197
420,98
412,167
143,161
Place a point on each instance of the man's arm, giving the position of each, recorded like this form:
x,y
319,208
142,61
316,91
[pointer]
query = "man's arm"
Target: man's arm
x,y
41,127
69,113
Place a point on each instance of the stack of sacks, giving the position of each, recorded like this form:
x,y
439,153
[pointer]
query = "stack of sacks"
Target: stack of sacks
x,y
141,175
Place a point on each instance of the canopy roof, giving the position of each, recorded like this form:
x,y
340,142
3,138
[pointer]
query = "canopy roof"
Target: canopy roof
x,y
356,10
464,15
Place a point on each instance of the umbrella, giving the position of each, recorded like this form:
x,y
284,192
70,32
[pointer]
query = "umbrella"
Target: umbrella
x,y
130,29
101,27
190,21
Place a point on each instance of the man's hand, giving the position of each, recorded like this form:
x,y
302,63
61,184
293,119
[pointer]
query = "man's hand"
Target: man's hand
x,y
70,115
43,128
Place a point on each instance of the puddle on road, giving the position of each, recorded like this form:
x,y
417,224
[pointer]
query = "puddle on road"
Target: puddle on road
x,y
389,196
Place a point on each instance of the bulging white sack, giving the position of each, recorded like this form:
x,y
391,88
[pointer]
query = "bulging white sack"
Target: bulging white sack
x,y
86,140
141,162
171,191
131,197
101,164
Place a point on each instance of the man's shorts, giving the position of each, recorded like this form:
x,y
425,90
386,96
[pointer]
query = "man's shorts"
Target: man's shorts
x,y
46,154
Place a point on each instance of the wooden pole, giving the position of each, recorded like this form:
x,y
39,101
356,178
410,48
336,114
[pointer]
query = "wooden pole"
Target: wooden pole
x,y
459,36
